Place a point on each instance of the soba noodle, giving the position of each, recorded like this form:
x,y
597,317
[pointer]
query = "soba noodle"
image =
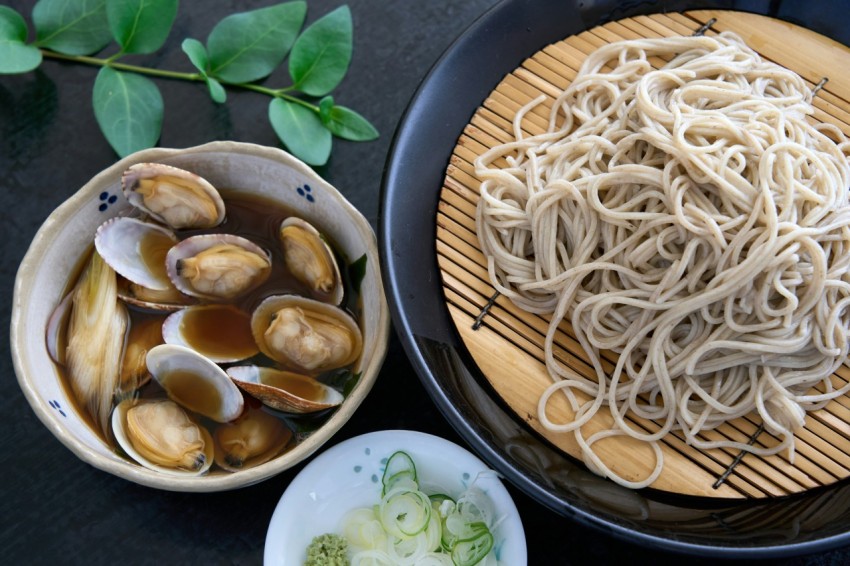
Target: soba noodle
x,y
694,221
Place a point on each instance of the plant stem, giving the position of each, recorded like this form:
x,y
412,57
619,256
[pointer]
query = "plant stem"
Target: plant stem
x,y
123,66
197,77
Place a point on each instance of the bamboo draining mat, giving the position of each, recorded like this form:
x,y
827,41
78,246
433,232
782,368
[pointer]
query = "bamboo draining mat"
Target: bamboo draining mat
x,y
508,345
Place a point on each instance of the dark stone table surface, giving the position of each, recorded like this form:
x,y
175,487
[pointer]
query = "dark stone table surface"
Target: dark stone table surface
x,y
56,509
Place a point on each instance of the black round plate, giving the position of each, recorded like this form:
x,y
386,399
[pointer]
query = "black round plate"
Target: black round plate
x,y
446,100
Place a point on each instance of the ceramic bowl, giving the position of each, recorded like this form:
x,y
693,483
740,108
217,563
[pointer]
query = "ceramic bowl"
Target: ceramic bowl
x,y
348,476
67,234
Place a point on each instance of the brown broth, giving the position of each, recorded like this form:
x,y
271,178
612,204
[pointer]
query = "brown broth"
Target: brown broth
x,y
187,389
153,247
305,388
257,219
232,337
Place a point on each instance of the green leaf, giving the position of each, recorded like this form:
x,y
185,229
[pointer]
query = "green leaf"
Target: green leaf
x,y
320,56
248,46
15,55
141,26
325,106
129,109
12,25
217,92
349,125
357,271
197,54
200,59
73,27
301,130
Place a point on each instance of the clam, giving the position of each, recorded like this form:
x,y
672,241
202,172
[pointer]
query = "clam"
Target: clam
x,y
136,250
175,197
217,266
220,332
57,329
96,328
304,334
195,382
169,300
253,439
285,391
144,335
161,436
310,259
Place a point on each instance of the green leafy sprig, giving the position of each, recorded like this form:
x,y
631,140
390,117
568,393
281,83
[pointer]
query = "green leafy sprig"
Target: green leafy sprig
x,y
241,50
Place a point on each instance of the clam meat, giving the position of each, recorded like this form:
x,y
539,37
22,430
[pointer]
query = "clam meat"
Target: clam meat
x,y
304,334
217,266
160,435
253,439
175,197
285,391
195,382
144,335
310,259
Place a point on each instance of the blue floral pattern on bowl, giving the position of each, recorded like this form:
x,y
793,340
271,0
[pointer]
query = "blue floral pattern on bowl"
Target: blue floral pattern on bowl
x,y
306,191
106,199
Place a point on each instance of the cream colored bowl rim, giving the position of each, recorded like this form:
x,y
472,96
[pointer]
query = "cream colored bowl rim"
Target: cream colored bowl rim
x,y
141,475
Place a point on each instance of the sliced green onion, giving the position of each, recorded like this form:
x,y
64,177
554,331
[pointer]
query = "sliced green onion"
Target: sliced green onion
x,y
372,558
404,479
399,462
363,530
470,552
438,498
413,528
405,513
435,559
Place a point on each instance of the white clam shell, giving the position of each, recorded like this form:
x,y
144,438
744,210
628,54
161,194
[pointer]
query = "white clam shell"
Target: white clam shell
x,y
57,326
183,328
195,382
132,176
257,382
119,429
153,301
191,247
121,242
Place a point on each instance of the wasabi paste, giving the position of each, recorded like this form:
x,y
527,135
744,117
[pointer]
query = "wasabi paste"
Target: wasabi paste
x,y
327,550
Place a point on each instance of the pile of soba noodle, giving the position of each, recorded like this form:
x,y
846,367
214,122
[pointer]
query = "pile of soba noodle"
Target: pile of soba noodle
x,y
690,219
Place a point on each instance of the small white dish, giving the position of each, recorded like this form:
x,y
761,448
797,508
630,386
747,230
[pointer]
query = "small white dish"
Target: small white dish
x,y
348,476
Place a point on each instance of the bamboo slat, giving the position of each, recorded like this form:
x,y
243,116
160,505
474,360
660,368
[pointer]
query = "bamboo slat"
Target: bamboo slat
x,y
509,346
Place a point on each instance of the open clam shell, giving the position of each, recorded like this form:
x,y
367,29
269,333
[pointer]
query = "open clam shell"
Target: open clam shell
x,y
310,260
177,198
219,332
195,382
144,334
253,439
217,267
306,335
136,250
161,436
170,300
57,329
284,390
